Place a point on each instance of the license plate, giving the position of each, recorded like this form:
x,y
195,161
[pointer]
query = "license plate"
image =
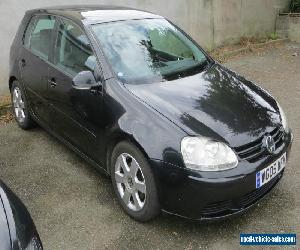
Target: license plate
x,y
270,172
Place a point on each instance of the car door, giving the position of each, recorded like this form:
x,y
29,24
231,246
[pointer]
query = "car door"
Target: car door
x,y
76,112
38,41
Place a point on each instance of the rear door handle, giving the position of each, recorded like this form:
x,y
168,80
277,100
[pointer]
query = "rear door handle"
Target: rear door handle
x,y
52,83
22,63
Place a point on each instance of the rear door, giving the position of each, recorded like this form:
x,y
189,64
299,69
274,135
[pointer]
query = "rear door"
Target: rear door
x,y
38,41
75,112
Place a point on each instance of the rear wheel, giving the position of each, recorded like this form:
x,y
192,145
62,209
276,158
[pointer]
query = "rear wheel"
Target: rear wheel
x,y
134,183
20,107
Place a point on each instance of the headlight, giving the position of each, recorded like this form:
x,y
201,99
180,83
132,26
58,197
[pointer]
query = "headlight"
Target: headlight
x,y
283,118
204,154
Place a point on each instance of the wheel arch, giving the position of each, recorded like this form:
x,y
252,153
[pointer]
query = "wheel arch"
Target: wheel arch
x,y
115,139
11,80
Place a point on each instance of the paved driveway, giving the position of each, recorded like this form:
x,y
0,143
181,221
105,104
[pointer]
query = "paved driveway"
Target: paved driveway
x,y
74,207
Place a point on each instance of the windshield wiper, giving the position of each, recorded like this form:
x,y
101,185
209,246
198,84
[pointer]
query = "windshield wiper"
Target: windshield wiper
x,y
186,70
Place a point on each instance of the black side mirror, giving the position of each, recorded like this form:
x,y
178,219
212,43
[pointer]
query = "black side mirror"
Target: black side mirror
x,y
84,80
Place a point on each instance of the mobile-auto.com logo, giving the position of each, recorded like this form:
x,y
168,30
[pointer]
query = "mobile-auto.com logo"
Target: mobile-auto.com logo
x,y
267,239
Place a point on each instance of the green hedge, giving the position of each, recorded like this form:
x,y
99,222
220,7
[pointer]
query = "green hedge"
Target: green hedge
x,y
295,6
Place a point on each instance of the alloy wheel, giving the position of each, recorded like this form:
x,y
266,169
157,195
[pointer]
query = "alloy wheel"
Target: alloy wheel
x,y
130,182
18,105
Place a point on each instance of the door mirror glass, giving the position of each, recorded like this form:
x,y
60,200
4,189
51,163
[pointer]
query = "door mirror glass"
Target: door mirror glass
x,y
84,80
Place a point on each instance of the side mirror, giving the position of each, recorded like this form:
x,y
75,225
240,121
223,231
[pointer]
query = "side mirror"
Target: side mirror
x,y
84,80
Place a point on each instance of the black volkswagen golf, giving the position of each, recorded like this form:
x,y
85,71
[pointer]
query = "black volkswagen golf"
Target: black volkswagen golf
x,y
140,100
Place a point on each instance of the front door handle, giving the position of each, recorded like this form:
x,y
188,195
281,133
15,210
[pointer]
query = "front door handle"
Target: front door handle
x,y
52,83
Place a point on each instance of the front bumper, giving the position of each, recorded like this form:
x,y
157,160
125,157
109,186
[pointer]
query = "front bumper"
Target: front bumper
x,y
213,195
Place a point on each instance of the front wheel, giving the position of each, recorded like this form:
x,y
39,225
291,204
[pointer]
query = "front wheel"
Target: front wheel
x,y
134,183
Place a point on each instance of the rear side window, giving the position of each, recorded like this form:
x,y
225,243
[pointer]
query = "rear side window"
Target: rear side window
x,y
73,52
28,32
38,36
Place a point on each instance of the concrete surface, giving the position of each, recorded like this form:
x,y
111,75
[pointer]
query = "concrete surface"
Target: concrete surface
x,y
234,19
210,22
74,207
294,29
289,26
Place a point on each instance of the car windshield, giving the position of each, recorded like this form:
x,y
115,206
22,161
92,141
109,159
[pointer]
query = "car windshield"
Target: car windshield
x,y
148,50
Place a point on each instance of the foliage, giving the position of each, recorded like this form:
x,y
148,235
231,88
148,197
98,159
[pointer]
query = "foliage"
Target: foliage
x,y
295,6
273,36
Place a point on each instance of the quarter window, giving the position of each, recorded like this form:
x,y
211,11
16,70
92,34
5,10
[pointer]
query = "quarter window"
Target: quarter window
x,y
73,52
38,37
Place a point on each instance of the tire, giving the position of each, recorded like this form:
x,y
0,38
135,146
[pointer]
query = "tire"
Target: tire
x,y
20,107
140,206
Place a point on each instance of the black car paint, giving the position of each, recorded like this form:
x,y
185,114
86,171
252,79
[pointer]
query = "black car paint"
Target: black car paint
x,y
216,103
17,228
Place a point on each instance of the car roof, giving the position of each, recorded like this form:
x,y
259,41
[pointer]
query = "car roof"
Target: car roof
x,y
92,14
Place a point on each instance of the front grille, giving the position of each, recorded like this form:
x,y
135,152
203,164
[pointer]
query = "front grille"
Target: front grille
x,y
254,151
228,206
250,198
217,207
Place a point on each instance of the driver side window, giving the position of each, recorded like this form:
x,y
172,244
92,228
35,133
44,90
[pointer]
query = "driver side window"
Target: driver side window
x,y
73,52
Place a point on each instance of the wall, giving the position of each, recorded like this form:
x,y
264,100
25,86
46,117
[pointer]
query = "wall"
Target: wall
x,y
234,19
289,26
294,29
209,22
